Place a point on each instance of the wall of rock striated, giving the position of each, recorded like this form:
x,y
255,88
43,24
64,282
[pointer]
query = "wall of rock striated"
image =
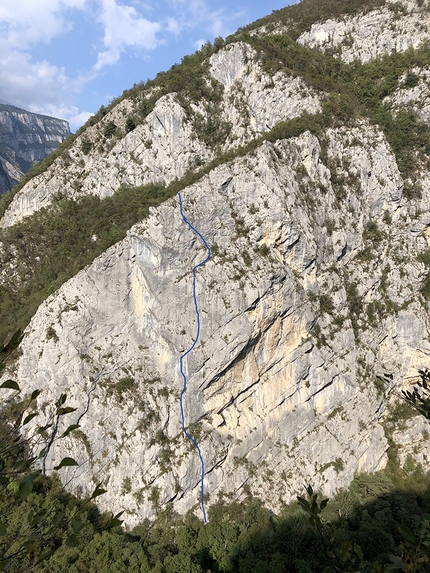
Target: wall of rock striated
x,y
281,387
395,27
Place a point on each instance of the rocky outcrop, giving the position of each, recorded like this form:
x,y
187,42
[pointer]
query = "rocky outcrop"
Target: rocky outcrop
x,y
395,27
413,92
318,281
280,385
255,101
168,142
25,137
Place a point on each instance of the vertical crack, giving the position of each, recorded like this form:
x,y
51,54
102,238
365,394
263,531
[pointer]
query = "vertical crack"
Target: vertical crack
x,y
181,359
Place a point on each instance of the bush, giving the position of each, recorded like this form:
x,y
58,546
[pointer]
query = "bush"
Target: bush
x,y
110,129
411,80
425,288
130,124
86,146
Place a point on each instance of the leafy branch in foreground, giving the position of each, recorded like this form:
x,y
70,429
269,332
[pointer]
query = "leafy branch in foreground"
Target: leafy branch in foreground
x,y
346,556
419,397
36,514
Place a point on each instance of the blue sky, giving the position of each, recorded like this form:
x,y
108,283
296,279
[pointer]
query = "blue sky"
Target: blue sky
x,y
68,57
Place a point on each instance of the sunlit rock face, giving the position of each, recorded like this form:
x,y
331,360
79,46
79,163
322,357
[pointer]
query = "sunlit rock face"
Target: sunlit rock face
x,y
395,27
271,398
313,288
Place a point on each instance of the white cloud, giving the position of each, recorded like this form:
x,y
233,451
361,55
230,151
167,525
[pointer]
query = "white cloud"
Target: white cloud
x,y
173,26
77,118
25,22
118,27
192,14
39,87
42,87
124,28
22,81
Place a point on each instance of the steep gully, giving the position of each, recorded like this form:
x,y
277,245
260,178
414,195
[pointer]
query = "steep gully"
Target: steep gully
x,y
181,360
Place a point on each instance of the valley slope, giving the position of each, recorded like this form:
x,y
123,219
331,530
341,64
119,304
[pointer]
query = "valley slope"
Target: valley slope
x,y
300,148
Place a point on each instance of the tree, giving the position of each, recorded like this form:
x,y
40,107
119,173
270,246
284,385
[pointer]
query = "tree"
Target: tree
x,y
36,514
419,397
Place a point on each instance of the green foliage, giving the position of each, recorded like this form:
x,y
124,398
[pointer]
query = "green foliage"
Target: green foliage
x,y
126,485
425,288
411,80
110,129
326,303
211,129
424,257
86,146
296,126
121,387
355,304
130,124
301,16
373,234
419,396
51,334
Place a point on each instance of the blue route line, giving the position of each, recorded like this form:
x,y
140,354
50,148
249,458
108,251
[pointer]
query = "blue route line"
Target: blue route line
x,y
181,360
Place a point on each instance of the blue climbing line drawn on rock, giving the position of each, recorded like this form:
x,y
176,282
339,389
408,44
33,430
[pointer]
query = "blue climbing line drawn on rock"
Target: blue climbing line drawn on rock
x,y
181,359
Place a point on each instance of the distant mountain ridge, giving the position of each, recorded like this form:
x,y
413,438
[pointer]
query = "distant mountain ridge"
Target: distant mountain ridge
x,y
25,137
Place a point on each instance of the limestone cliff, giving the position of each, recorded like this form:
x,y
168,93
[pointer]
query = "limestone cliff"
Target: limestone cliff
x,y
168,142
25,137
318,281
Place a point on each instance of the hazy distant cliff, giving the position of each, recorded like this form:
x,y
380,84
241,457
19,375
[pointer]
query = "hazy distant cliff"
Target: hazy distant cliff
x,y
25,137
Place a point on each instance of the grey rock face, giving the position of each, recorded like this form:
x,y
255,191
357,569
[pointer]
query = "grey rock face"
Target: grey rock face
x,y
271,398
254,101
25,137
314,286
367,36
166,145
415,96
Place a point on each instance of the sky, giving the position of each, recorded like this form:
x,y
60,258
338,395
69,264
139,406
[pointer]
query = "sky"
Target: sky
x,y
66,58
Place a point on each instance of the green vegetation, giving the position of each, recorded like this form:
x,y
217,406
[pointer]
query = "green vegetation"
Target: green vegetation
x,y
53,245
110,129
121,387
419,397
355,305
381,518
300,17
86,146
